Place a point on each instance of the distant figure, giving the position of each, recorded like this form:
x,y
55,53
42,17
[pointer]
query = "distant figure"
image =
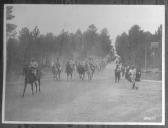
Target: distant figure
x,y
69,69
56,69
138,75
57,64
127,73
132,73
117,73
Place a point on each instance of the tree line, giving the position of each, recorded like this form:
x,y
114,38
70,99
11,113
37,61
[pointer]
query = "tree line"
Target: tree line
x,y
46,47
66,45
136,47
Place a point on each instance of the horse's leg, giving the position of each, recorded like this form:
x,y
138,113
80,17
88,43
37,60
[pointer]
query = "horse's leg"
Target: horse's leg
x,y
118,77
32,88
133,85
59,75
39,84
83,76
71,76
92,74
115,77
36,86
56,76
24,89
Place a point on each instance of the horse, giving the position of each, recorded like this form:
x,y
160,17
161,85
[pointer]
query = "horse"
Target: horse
x,y
93,67
117,73
81,70
56,71
69,68
31,78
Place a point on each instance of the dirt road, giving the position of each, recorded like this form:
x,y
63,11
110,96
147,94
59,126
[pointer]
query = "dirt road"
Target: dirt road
x,y
99,100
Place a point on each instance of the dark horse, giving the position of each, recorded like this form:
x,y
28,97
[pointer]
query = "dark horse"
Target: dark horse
x,y
31,78
56,71
81,70
69,69
89,70
117,73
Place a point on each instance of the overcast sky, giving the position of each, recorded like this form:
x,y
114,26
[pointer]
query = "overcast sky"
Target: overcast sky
x,y
117,19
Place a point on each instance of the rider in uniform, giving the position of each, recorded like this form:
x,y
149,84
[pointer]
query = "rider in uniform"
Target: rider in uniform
x,y
34,66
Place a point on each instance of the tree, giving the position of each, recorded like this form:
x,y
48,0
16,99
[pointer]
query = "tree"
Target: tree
x,y
45,48
10,28
134,47
123,47
105,42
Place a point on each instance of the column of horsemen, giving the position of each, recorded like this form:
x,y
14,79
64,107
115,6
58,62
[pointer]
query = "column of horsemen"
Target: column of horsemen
x,y
84,68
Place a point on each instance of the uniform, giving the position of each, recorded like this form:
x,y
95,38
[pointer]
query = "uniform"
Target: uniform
x,y
34,67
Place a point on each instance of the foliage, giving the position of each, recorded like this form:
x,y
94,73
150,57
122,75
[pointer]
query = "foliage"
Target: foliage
x,y
46,48
134,46
10,28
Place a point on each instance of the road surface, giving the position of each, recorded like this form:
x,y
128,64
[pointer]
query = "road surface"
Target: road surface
x,y
99,100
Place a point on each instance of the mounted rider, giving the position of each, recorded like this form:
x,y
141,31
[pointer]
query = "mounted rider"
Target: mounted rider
x,y
72,63
34,66
91,64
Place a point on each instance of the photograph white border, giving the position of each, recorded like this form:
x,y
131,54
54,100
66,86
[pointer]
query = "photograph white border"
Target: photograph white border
x,y
83,123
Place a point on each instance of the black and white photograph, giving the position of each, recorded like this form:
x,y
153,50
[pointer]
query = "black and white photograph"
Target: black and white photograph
x,y
84,64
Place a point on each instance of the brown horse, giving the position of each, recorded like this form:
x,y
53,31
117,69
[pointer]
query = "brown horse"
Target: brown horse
x,y
31,78
81,70
69,69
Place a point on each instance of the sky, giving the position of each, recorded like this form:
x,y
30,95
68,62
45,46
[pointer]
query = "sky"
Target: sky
x,y
116,18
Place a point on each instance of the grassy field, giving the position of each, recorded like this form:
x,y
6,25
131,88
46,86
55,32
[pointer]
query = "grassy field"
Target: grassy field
x,y
99,100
